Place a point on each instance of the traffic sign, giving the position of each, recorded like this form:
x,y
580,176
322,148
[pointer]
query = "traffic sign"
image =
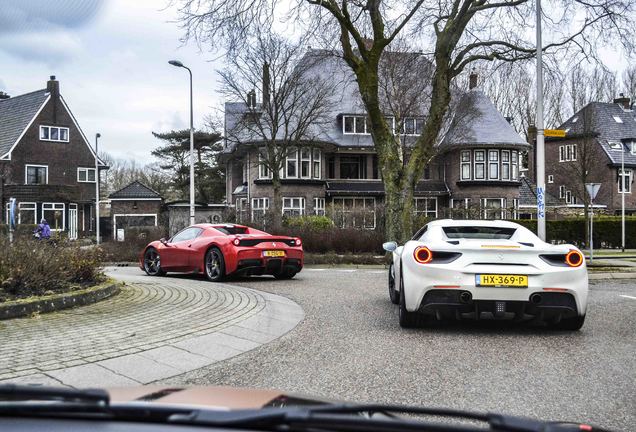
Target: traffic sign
x,y
559,133
592,189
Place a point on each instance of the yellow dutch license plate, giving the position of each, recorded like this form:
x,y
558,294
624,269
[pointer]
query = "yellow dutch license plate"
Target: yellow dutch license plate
x,y
274,253
501,280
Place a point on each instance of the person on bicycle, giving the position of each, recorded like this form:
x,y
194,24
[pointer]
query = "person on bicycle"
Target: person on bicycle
x,y
43,231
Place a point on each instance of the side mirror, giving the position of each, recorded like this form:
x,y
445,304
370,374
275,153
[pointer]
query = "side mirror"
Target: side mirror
x,y
389,246
163,240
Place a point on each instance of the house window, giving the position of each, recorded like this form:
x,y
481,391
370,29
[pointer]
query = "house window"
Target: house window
x,y
515,164
354,125
263,169
627,175
390,122
561,191
352,167
86,175
632,147
568,197
426,207
319,206
465,165
36,174
493,208
479,165
505,164
305,162
316,164
354,212
259,208
561,153
573,152
27,213
292,163
54,215
241,209
293,206
550,179
493,164
53,133
331,166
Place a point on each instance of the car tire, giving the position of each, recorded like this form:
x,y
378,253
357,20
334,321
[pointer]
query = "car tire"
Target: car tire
x,y
152,262
409,319
214,265
285,274
393,294
570,324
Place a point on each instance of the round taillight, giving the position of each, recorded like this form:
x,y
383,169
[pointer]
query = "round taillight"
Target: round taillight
x,y
574,258
236,242
298,242
423,255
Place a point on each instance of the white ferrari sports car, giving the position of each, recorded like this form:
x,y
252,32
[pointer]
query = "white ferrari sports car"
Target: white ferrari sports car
x,y
477,269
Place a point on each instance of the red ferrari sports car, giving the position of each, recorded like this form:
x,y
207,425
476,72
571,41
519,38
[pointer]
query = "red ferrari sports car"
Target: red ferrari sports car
x,y
220,250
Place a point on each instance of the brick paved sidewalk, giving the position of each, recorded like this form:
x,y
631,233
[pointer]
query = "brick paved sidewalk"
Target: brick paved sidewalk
x,y
155,328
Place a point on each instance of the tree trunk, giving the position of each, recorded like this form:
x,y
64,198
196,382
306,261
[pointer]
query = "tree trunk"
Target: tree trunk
x,y
276,207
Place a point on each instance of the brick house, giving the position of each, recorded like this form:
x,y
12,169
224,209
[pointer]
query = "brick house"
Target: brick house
x,y
598,138
134,205
46,162
337,174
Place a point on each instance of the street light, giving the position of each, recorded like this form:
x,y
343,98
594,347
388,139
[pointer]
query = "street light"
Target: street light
x,y
623,199
540,147
177,63
97,136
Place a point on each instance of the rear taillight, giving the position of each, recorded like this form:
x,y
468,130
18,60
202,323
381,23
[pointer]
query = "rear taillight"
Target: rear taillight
x,y
298,242
236,242
423,255
574,258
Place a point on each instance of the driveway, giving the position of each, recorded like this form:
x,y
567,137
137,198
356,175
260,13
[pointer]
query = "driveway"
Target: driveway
x,y
155,328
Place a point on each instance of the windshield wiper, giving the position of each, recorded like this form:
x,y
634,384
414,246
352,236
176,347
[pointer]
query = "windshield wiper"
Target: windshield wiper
x,y
15,392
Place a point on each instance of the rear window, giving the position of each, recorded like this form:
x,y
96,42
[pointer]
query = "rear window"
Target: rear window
x,y
478,232
230,229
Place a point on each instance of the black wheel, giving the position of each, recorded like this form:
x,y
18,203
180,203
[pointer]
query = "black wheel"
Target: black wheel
x,y
393,294
409,319
214,265
572,324
285,274
152,263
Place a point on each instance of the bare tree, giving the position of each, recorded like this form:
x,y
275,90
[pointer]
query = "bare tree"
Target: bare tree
x,y
629,83
296,102
122,172
455,35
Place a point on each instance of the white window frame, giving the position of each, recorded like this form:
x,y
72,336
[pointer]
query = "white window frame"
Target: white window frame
x,y
568,197
356,119
288,205
632,147
26,176
505,154
85,171
259,205
482,163
55,207
514,165
573,152
316,163
551,178
466,163
485,209
319,206
355,208
59,130
562,191
493,163
28,207
628,180
561,153
294,160
391,124
264,173
415,121
305,160
426,212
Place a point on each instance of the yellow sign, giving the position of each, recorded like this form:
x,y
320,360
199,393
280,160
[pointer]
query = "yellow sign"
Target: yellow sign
x,y
500,280
560,133
274,253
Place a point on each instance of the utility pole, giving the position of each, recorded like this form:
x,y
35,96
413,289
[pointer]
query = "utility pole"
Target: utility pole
x,y
97,136
623,198
540,146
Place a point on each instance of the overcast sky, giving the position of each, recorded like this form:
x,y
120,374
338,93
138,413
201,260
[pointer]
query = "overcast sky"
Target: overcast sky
x,y
111,58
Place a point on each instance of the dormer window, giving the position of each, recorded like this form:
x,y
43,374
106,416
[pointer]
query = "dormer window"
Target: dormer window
x,y
489,165
53,133
354,125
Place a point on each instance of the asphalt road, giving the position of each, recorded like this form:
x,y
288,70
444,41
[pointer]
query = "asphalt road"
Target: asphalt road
x,y
350,347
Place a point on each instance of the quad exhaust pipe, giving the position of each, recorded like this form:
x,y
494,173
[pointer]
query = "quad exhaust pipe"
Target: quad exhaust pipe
x,y
465,297
536,298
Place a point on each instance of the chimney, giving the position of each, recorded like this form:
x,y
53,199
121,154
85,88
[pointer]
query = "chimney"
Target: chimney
x,y
473,80
623,101
3,95
251,99
266,84
53,87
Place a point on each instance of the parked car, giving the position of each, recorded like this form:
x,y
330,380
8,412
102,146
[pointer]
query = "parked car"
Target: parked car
x,y
178,408
476,269
220,250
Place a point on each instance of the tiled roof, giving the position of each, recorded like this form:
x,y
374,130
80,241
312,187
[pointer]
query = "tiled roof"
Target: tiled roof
x,y
135,190
528,195
15,115
477,122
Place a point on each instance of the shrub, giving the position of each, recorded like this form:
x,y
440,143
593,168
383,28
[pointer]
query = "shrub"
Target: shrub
x,y
33,267
317,223
338,240
136,238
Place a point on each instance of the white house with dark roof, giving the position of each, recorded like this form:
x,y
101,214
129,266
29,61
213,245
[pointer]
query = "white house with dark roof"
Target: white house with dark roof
x,y
607,133
337,172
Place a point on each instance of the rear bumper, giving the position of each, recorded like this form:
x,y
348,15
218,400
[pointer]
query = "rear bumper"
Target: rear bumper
x,y
252,262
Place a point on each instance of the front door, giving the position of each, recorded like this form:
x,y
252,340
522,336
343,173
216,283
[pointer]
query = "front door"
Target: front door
x,y
72,221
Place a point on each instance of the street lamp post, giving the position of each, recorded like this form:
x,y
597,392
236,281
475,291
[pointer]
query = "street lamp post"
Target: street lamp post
x,y
97,136
540,147
623,199
181,65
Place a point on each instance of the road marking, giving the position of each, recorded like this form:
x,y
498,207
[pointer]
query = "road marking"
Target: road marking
x,y
347,270
315,269
378,271
626,296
